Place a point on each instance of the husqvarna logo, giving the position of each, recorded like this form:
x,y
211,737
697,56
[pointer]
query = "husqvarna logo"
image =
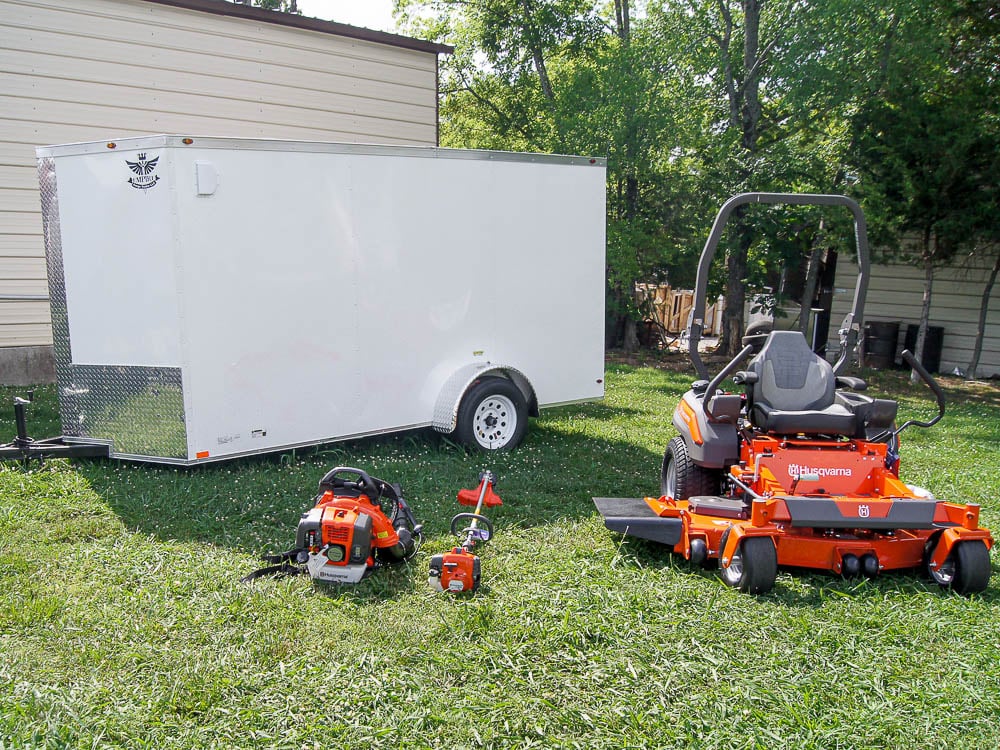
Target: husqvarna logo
x,y
864,511
797,470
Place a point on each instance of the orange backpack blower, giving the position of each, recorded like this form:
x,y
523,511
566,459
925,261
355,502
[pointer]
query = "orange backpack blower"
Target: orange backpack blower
x,y
459,569
357,523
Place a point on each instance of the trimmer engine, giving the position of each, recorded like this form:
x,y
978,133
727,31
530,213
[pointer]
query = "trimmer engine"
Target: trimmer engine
x,y
357,523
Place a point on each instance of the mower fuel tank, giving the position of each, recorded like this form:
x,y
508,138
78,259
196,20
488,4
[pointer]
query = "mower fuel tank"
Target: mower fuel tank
x,y
711,443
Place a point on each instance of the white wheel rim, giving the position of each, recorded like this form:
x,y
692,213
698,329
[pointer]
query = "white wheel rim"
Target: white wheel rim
x,y
945,574
494,422
734,572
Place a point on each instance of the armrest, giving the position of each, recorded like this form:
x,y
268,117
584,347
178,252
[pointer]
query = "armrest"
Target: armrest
x,y
745,377
855,384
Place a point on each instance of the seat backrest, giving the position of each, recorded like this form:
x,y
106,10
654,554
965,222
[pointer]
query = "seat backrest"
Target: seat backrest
x,y
790,376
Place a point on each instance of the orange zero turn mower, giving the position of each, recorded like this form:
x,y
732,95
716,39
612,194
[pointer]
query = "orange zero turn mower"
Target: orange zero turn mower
x,y
801,468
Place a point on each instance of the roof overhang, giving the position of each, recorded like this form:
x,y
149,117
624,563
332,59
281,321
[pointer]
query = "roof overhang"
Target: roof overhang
x,y
224,8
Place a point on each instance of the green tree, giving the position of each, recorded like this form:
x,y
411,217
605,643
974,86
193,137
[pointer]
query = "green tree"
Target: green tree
x,y
780,78
567,76
927,148
285,6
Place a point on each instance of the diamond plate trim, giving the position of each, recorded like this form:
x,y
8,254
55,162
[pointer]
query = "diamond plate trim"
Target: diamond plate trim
x,y
57,287
446,407
140,410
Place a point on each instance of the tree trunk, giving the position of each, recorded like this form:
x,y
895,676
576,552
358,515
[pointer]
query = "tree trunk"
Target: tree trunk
x,y
812,278
751,70
623,21
736,264
984,307
744,101
925,310
536,52
631,342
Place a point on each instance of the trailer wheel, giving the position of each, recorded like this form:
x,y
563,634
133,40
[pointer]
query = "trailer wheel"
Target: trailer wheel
x,y
681,477
753,567
493,415
967,569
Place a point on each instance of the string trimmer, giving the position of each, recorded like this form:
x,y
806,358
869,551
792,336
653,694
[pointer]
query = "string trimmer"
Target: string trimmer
x,y
459,570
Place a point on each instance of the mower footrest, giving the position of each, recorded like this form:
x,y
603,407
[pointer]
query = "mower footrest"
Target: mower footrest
x,y
633,517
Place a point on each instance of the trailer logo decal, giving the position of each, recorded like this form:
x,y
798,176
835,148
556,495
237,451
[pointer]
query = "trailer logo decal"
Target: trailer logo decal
x,y
144,169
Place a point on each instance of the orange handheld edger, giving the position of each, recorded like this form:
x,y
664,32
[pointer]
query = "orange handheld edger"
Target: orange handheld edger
x,y
459,569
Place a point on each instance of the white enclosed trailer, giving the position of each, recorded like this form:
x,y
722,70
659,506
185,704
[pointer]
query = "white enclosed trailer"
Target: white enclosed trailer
x,y
213,297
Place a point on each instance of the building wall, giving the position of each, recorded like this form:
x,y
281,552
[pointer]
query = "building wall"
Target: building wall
x,y
895,293
103,69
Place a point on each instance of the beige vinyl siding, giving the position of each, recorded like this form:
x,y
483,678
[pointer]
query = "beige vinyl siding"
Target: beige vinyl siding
x,y
895,293
100,69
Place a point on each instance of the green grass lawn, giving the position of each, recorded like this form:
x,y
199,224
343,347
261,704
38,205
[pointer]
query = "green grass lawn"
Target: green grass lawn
x,y
123,622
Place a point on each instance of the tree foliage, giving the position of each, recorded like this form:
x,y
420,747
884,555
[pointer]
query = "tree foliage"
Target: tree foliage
x,y
284,6
692,101
928,147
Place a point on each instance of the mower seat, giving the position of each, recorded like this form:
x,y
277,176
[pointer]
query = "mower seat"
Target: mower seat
x,y
794,390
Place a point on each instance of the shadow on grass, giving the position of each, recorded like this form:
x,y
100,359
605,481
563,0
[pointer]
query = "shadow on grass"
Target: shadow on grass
x,y
801,588
253,504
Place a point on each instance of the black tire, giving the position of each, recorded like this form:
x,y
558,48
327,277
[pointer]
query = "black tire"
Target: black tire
x,y
754,567
682,478
967,569
493,415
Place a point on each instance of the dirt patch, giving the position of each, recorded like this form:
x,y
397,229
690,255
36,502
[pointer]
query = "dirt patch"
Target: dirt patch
x,y
670,360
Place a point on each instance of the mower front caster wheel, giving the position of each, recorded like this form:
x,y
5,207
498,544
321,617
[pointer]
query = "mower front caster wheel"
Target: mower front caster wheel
x,y
967,569
753,567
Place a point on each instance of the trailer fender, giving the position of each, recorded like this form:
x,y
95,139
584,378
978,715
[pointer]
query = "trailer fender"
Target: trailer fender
x,y
450,397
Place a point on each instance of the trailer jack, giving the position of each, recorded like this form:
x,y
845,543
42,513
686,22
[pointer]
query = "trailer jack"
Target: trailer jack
x,y
25,448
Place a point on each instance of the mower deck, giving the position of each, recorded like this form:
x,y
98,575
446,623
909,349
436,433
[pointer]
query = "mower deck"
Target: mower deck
x,y
636,517
848,536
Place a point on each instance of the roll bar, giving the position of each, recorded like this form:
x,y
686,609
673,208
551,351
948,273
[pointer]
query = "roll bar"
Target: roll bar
x,y
849,329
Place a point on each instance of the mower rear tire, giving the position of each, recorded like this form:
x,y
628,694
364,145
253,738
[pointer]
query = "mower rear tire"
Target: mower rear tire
x,y
753,568
681,478
493,415
967,569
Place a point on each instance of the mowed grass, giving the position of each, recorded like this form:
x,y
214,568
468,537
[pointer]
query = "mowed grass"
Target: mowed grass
x,y
123,622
